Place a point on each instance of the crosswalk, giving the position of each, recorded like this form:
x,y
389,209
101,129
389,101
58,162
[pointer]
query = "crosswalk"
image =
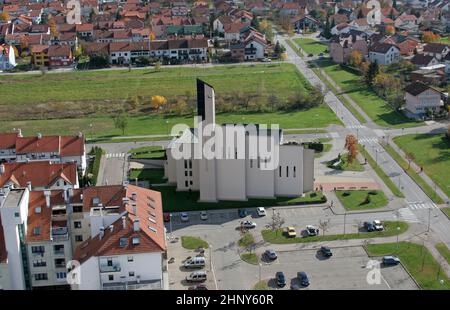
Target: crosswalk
x,y
355,126
422,205
367,140
115,155
407,215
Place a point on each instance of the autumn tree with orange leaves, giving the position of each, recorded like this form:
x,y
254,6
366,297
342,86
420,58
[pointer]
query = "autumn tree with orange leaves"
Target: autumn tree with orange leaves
x,y
430,37
351,144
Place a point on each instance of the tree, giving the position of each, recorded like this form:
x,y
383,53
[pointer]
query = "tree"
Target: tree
x,y
4,17
324,226
390,29
158,102
121,122
52,26
430,37
327,29
277,221
409,157
372,72
255,22
273,101
351,144
355,59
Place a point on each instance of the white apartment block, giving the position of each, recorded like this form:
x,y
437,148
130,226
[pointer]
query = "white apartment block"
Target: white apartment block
x,y
234,177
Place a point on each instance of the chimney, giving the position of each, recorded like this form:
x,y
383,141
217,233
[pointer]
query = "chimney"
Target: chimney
x,y
2,169
39,136
134,196
80,135
136,226
19,132
125,200
81,197
66,195
70,192
29,186
124,222
133,205
47,198
111,228
102,233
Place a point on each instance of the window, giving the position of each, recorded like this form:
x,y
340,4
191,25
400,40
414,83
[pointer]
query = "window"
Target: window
x,y
136,240
190,182
251,163
111,277
38,249
190,164
186,183
59,248
78,238
287,171
123,242
36,231
190,173
109,262
38,210
185,173
16,214
279,171
295,172
39,263
61,275
77,224
60,262
185,164
130,258
131,274
40,276
77,209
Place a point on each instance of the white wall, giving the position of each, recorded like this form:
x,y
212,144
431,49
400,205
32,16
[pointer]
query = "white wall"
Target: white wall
x,y
5,280
290,183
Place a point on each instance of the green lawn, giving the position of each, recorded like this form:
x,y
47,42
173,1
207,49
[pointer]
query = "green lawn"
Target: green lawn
x,y
153,176
192,243
345,165
174,201
413,174
446,211
375,107
418,260
121,140
94,166
358,199
261,286
246,240
381,174
445,40
278,237
444,250
311,46
432,152
250,258
148,152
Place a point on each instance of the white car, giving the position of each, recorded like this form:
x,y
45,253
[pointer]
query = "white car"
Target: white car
x,y
184,217
203,215
378,225
248,224
265,59
261,211
312,230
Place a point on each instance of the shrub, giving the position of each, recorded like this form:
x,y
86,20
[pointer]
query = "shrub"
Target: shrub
x,y
346,194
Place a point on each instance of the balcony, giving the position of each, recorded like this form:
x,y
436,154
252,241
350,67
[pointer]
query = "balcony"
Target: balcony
x,y
134,285
112,268
60,232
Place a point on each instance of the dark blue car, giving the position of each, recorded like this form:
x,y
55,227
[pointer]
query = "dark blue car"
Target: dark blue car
x,y
242,213
281,279
303,278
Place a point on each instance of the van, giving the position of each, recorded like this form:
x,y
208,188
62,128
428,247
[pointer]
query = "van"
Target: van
x,y
197,276
195,262
390,260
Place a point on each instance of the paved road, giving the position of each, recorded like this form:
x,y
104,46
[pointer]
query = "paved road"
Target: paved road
x,y
411,190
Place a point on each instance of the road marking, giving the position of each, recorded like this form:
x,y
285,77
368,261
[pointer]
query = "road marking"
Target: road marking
x,y
367,140
334,135
355,127
408,215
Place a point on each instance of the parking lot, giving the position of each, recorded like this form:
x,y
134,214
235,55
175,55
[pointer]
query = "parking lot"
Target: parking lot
x,y
346,269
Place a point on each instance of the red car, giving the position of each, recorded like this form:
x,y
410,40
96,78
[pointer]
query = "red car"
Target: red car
x,y
166,217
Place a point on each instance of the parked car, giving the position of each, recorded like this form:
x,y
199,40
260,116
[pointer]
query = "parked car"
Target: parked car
x,y
184,217
166,217
326,251
248,224
291,233
303,278
203,215
281,279
196,276
312,230
310,55
378,225
265,59
242,213
200,287
270,254
369,226
195,262
261,211
390,260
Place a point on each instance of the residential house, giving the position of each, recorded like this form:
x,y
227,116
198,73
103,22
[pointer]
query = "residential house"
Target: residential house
x,y
406,22
433,75
422,60
384,53
59,56
305,22
7,57
437,50
421,100
252,48
39,55
407,45
341,47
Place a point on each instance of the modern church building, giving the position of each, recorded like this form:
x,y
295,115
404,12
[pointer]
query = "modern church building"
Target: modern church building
x,y
257,165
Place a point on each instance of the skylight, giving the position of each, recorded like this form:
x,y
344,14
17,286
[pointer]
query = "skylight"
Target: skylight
x,y
123,242
136,240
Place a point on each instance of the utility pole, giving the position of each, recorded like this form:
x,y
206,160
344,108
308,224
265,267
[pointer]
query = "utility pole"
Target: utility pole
x,y
345,218
429,219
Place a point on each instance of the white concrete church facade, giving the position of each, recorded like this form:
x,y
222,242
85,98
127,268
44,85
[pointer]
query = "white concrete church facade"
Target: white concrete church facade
x,y
234,177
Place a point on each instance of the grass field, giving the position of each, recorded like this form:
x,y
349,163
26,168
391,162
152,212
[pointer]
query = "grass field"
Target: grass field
x,y
375,107
246,240
381,174
418,260
278,237
148,152
153,176
192,243
174,201
444,250
432,152
311,46
357,199
250,258
446,211
344,165
261,286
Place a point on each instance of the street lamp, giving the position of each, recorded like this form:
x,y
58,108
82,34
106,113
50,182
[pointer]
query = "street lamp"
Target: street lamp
x,y
398,233
429,219
260,266
345,218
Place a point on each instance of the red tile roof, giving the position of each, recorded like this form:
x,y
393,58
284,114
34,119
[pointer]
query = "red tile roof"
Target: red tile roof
x,y
8,140
39,173
64,145
151,225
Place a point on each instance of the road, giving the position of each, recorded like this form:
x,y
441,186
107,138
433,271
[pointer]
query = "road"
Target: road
x,y
411,190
